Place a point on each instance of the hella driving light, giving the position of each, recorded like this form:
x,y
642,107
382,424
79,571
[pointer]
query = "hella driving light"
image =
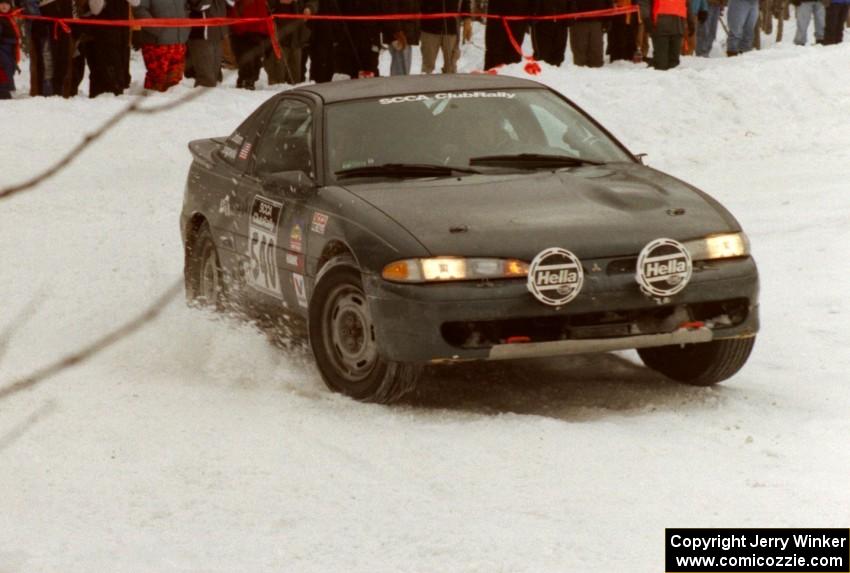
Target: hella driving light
x,y
719,247
444,269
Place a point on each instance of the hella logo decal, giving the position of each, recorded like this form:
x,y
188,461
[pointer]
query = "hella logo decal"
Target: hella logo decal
x,y
664,268
555,276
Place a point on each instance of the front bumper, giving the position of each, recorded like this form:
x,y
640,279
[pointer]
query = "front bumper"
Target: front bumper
x,y
411,320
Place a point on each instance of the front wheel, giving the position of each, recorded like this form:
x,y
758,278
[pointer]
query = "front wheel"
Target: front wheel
x,y
342,336
703,364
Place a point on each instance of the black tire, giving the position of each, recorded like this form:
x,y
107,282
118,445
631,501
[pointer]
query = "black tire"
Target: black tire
x,y
702,364
343,341
202,272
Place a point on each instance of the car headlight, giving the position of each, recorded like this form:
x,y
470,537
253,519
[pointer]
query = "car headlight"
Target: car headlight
x,y
442,269
724,246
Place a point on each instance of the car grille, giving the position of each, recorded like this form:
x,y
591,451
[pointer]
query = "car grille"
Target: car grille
x,y
484,334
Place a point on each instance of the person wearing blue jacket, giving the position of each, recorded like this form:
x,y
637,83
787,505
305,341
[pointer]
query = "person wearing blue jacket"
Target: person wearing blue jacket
x,y
707,27
697,13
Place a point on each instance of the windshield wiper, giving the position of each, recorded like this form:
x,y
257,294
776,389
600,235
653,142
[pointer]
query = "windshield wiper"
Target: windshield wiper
x,y
405,170
532,160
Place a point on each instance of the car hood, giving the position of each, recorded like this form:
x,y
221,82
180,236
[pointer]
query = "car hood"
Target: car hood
x,y
594,211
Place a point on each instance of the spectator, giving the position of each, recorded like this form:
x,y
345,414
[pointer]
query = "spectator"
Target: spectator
x,y
741,17
401,35
549,37
9,50
293,36
163,49
668,21
499,49
105,49
836,16
250,41
586,38
203,49
359,42
623,35
442,34
324,37
697,13
805,10
51,72
707,27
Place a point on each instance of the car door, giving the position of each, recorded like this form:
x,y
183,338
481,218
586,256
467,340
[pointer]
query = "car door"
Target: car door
x,y
274,241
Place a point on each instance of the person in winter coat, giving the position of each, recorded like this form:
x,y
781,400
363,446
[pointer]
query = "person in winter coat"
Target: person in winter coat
x,y
697,13
106,50
499,49
586,38
163,49
51,72
442,34
249,41
707,27
805,11
293,36
9,50
836,16
549,37
623,35
203,50
741,18
401,35
359,41
668,22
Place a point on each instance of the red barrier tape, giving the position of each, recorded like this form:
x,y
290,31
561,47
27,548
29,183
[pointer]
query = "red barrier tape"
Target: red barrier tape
x,y
532,67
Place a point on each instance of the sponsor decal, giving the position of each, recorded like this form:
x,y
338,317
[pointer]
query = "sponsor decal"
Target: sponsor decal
x,y
294,260
224,207
320,221
237,139
262,230
555,276
229,153
300,289
245,152
296,239
445,96
664,268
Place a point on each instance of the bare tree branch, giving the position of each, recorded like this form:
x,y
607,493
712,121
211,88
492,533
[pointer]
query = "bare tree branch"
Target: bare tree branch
x,y
151,313
20,429
17,322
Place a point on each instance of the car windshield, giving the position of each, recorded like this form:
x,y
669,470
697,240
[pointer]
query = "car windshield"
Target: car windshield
x,y
519,129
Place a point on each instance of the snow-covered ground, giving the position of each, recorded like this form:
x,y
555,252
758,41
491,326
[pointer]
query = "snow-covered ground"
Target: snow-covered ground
x,y
197,445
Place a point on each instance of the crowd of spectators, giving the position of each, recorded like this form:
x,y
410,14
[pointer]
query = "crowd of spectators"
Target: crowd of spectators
x,y
319,49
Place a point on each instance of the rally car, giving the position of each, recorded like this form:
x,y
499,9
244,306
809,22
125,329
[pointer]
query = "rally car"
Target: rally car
x,y
433,219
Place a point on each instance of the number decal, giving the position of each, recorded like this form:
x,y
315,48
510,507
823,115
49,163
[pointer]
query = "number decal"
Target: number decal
x,y
263,229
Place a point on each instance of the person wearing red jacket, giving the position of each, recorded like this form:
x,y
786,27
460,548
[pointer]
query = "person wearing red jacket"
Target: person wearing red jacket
x,y
249,41
667,21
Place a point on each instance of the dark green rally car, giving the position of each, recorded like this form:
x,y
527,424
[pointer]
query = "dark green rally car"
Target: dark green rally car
x,y
431,219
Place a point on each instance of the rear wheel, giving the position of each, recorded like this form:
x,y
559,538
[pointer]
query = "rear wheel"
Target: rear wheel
x,y
202,272
702,364
342,337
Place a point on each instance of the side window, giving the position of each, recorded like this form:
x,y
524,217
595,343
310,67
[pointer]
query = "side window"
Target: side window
x,y
287,142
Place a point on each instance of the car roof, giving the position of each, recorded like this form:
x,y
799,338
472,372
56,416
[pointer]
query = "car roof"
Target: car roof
x,y
348,90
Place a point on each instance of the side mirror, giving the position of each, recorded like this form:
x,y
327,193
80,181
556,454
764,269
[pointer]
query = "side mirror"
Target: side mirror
x,y
294,183
642,157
